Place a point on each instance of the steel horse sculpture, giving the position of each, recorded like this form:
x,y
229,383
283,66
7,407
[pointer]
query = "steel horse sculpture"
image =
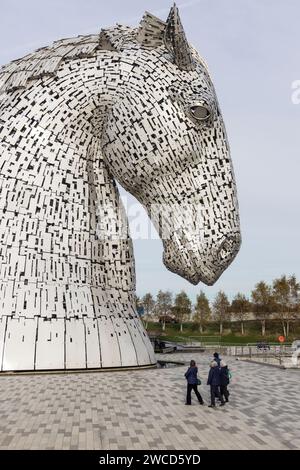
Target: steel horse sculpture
x,y
132,105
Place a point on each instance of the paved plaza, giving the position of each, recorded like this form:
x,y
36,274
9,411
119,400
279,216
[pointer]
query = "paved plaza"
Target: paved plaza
x,y
144,409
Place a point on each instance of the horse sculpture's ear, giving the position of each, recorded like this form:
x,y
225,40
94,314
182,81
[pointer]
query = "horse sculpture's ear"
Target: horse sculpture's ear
x,y
151,31
175,40
154,32
104,42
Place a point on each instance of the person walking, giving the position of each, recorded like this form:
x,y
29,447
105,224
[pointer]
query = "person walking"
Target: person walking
x,y
192,383
224,380
214,381
217,358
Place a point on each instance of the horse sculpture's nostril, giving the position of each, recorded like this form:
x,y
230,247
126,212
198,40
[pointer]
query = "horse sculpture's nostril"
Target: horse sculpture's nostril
x,y
228,248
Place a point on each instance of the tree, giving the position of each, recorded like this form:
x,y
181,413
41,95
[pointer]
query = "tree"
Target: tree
x,y
262,303
294,300
286,298
148,304
240,306
221,309
182,308
281,295
163,305
202,311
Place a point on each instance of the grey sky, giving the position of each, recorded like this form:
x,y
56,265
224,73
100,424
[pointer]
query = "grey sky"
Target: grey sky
x,y
252,49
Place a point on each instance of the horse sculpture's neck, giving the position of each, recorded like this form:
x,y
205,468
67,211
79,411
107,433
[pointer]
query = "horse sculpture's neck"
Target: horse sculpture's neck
x,y
67,275
61,172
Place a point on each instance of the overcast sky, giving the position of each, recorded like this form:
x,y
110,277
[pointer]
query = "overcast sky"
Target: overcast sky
x,y
252,49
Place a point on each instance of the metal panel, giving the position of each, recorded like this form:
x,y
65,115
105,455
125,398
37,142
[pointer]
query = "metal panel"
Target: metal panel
x,y
110,351
143,354
146,340
19,348
50,344
75,344
2,336
92,342
127,349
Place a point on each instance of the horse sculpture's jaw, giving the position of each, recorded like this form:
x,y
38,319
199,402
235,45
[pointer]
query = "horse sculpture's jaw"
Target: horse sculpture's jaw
x,y
203,266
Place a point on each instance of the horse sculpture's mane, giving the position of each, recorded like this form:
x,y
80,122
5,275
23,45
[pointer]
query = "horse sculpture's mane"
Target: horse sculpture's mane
x,y
46,60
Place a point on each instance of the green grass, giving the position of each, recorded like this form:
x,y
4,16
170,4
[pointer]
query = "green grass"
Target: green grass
x,y
231,333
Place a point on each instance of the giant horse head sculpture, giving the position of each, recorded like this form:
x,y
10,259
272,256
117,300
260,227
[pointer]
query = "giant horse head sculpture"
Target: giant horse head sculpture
x,y
135,105
165,142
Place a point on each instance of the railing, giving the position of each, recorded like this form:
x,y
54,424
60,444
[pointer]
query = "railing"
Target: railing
x,y
275,354
272,353
254,350
200,341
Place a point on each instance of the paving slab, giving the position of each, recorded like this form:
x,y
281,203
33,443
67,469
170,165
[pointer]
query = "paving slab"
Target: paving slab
x,y
144,409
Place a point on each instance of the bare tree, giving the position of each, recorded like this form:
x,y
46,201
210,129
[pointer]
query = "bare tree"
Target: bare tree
x,y
240,306
221,309
262,303
163,305
281,295
182,308
286,297
148,304
202,311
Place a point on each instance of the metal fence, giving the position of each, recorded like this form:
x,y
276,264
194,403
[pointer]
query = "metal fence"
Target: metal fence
x,y
271,353
276,354
200,341
251,349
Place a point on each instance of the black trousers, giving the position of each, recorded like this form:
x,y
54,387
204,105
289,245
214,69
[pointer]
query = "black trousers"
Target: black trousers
x,y
191,387
224,392
215,392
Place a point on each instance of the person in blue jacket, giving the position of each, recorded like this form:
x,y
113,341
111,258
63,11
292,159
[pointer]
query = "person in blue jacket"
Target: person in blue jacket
x,y
214,380
192,383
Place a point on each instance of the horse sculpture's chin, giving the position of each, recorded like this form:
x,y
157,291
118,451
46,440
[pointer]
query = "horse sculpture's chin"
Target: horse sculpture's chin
x,y
187,272
195,278
209,280
205,265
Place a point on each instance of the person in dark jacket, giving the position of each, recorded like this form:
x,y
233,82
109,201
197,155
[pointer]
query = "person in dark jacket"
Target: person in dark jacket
x,y
192,383
214,380
224,380
217,358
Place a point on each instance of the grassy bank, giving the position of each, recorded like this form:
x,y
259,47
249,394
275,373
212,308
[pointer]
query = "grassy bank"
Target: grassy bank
x,y
231,332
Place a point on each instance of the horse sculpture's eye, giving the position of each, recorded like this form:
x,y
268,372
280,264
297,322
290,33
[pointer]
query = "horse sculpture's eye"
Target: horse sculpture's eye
x,y
199,111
